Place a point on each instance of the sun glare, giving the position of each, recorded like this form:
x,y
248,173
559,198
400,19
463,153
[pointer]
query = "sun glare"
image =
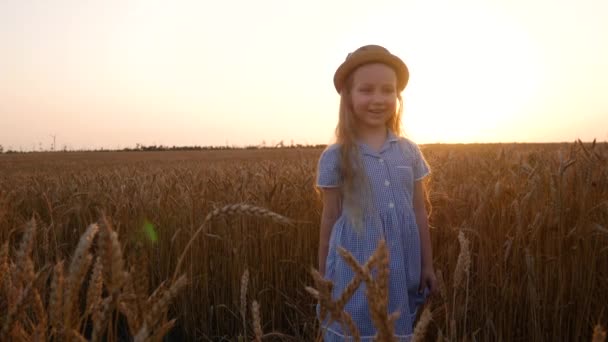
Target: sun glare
x,y
471,70
473,78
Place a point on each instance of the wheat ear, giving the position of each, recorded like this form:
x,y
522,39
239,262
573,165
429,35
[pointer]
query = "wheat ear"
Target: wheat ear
x,y
41,316
422,325
75,336
112,258
13,313
157,294
100,318
163,330
322,293
23,258
599,333
158,308
161,305
118,268
229,210
134,313
81,261
347,320
56,299
18,333
95,286
463,263
377,297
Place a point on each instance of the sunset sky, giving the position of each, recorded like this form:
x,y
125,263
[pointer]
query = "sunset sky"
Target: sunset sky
x,y
116,73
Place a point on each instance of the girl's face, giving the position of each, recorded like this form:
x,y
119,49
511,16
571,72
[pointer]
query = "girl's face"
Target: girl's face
x,y
374,95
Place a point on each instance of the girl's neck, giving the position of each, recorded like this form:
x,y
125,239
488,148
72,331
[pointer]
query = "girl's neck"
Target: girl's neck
x,y
373,137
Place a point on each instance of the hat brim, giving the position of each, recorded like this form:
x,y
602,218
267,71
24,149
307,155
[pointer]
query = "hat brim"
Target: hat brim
x,y
361,58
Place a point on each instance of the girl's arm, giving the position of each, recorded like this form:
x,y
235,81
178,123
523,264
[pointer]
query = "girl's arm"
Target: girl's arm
x,y
427,278
331,212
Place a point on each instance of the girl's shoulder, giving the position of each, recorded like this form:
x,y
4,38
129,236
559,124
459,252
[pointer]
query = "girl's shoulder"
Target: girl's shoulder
x,y
330,155
331,150
332,147
408,144
406,140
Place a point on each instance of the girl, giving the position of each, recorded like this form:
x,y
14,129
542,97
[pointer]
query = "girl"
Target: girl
x,y
372,188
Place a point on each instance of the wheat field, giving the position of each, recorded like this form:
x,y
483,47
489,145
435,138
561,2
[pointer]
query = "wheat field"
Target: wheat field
x,y
220,245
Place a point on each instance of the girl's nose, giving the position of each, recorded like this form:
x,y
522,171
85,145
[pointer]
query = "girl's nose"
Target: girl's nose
x,y
378,97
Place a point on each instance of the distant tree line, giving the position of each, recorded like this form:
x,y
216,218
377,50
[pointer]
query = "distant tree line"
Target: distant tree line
x,y
140,147
152,148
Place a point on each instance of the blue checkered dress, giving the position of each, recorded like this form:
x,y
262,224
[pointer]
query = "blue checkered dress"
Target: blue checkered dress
x,y
391,172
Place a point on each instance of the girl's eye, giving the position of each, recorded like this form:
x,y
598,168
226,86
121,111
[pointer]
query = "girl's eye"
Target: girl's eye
x,y
388,90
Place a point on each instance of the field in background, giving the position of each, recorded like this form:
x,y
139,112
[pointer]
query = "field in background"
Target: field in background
x,y
535,218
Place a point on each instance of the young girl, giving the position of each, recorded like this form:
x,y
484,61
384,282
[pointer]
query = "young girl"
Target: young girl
x,y
372,187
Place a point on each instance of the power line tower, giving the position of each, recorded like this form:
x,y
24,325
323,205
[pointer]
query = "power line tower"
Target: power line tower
x,y
54,139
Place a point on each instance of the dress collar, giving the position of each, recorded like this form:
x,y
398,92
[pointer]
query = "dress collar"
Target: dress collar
x,y
390,138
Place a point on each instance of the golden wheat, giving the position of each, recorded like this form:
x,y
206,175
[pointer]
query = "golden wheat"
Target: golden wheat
x,y
29,319
535,216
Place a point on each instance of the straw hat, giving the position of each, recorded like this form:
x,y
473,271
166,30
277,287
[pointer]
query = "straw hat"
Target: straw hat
x,y
371,54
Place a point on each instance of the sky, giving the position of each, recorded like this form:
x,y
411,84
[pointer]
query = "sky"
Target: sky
x,y
113,74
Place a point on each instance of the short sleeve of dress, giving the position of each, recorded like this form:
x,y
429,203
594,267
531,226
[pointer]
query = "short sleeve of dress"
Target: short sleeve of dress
x,y
328,169
420,168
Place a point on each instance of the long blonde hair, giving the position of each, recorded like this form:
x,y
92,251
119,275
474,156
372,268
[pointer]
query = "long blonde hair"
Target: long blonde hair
x,y
355,187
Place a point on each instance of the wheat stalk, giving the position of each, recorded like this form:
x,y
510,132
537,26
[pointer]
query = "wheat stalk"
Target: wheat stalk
x,y
244,282
95,286
140,283
229,210
463,263
4,264
257,326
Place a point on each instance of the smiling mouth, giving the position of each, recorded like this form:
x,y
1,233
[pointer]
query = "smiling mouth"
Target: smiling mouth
x,y
377,110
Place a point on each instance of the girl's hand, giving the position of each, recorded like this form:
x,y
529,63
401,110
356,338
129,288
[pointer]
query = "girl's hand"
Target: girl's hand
x,y
428,280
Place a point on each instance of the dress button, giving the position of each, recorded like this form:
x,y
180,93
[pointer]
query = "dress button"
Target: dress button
x,y
387,183
381,160
391,205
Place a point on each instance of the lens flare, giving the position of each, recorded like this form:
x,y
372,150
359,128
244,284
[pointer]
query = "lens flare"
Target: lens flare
x,y
150,232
